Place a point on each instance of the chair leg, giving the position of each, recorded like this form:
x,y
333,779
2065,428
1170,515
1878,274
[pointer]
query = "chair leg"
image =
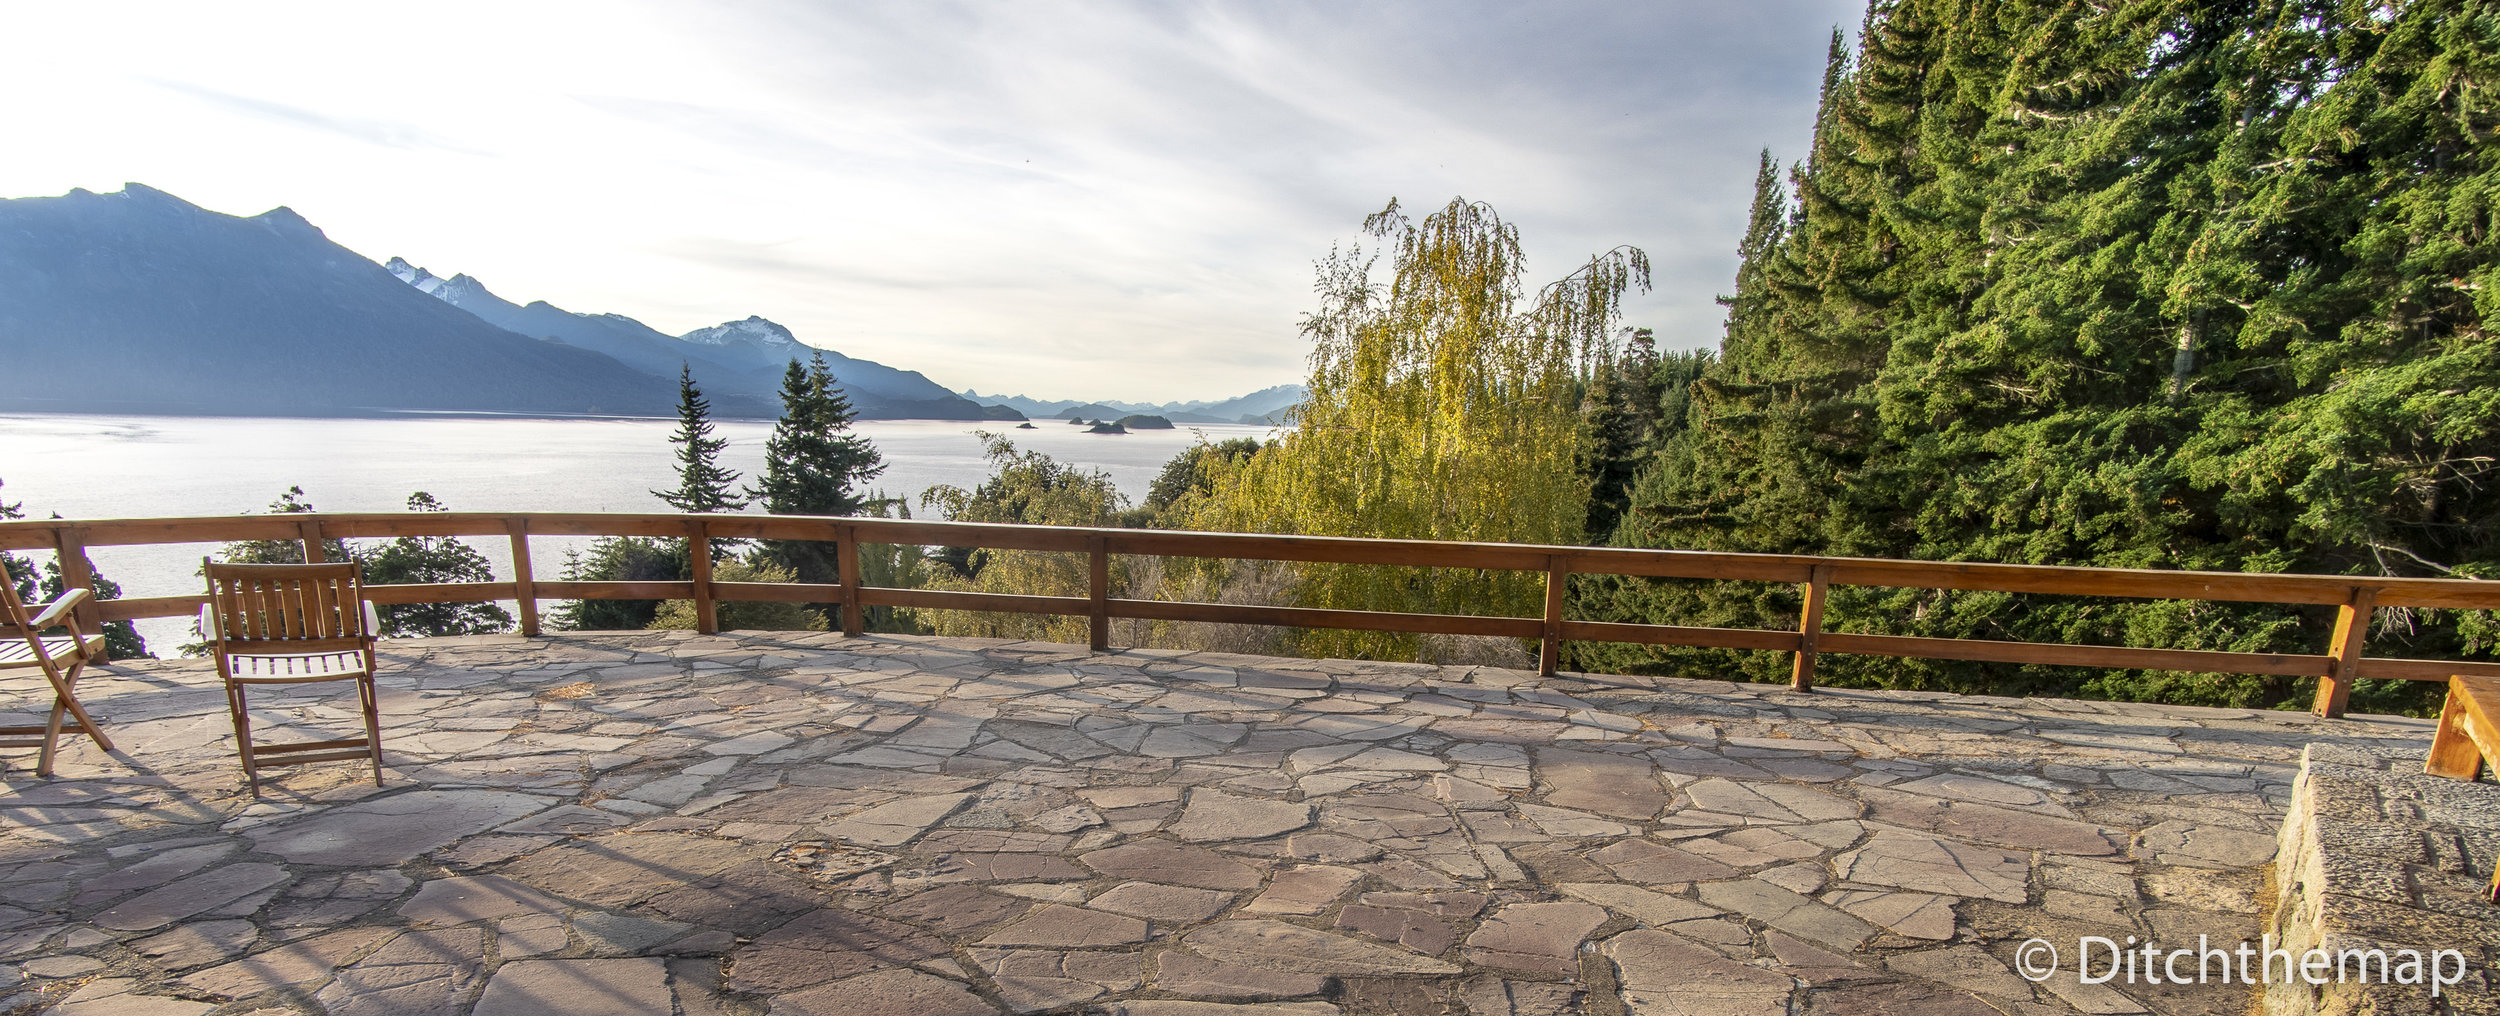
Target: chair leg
x,y
2453,751
51,740
373,722
67,697
240,710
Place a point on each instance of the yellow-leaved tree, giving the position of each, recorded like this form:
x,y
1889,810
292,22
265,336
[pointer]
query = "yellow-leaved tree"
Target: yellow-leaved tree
x,y
1445,405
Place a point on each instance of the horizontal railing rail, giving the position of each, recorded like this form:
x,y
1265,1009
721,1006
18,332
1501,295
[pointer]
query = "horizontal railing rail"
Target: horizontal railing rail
x,y
2354,596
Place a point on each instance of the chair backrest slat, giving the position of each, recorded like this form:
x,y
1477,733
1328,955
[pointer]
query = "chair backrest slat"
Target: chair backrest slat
x,y
286,602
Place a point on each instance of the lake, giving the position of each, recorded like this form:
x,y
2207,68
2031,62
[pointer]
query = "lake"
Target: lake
x,y
82,466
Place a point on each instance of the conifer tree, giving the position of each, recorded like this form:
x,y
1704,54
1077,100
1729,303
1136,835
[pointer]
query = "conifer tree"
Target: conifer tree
x,y
814,465
2162,284
702,484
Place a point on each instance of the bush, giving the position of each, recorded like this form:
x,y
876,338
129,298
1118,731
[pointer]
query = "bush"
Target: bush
x,y
747,615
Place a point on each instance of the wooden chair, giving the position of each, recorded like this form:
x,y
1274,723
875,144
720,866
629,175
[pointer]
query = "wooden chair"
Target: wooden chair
x,y
2469,732
292,624
61,659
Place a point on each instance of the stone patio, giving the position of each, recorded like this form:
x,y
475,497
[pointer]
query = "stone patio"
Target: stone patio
x,y
767,823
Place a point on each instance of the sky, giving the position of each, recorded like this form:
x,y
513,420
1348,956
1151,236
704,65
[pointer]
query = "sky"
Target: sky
x,y
1092,200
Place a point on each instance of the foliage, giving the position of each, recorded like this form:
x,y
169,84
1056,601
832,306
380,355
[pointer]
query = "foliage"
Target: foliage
x,y
1024,488
814,465
892,566
703,486
619,559
1443,405
745,615
1635,406
418,559
2159,284
282,551
1187,479
121,638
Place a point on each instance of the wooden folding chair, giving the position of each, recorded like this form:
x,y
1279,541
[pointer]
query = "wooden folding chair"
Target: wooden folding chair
x,y
61,659
292,624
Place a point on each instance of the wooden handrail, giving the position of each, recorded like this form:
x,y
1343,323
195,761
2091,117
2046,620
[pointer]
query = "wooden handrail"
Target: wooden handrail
x,y
2355,597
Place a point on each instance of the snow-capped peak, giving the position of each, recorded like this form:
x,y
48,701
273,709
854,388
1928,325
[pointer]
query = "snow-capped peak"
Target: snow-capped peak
x,y
754,331
425,281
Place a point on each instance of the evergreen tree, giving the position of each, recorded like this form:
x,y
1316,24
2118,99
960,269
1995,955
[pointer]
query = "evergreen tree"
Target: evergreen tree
x,y
814,465
703,486
1636,407
2167,284
415,559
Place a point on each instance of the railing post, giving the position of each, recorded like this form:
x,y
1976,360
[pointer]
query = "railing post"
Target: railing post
x,y
69,547
2352,628
311,534
846,569
524,584
699,559
1810,627
1557,578
1098,591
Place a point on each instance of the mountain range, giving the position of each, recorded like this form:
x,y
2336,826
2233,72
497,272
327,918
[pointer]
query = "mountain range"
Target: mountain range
x,y
1265,406
739,364
137,301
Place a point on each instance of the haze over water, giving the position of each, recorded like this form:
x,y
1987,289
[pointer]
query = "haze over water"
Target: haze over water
x,y
147,466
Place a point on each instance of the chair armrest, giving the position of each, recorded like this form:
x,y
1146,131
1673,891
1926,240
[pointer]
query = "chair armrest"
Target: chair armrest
x,y
51,613
373,621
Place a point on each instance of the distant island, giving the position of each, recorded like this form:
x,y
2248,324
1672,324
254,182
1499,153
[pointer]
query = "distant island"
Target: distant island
x,y
1133,421
1265,406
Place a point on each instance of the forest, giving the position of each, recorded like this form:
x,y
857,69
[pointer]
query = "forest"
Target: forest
x,y
2163,284
2154,285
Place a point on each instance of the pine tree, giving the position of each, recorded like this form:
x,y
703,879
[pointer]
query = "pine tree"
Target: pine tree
x,y
814,465
702,485
2166,284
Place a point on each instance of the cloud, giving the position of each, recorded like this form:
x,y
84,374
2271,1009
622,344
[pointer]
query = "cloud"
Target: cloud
x,y
372,131
1076,199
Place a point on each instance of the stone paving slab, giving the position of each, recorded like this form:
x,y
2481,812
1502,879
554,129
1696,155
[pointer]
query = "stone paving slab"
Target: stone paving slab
x,y
758,824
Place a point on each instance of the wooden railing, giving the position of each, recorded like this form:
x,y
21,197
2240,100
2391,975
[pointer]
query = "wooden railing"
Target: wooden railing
x,y
2355,597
